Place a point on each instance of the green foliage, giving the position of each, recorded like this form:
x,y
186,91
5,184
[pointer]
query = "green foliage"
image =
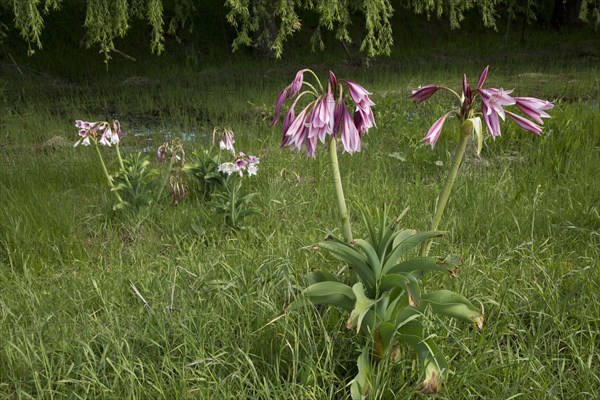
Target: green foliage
x,y
28,18
525,214
234,204
223,191
590,8
203,168
455,10
266,24
135,183
387,304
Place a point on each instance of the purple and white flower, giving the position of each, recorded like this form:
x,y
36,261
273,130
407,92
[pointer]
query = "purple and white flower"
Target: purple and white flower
x,y
493,102
422,93
321,116
89,132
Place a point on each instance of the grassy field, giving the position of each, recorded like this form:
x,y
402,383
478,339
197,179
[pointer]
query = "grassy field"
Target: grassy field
x,y
524,217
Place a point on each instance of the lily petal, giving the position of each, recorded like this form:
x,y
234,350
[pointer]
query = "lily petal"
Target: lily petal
x,y
434,132
525,123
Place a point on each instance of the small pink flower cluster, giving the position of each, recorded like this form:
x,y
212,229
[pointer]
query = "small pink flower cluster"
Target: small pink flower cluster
x,y
324,116
242,163
109,133
493,102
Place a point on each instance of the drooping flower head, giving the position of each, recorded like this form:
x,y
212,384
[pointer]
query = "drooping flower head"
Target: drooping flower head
x,y
177,189
493,102
225,137
422,93
323,115
171,150
100,132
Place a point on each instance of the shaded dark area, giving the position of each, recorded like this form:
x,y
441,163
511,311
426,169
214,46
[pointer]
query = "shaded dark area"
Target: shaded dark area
x,y
205,37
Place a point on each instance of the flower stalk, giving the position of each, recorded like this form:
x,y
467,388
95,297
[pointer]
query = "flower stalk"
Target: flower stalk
x,y
491,110
339,192
444,195
106,174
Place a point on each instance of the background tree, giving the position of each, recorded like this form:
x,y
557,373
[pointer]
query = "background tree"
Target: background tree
x,y
268,24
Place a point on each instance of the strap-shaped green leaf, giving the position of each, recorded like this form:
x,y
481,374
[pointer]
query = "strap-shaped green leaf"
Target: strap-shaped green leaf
x,y
332,293
354,258
372,257
405,281
407,241
325,288
373,234
432,361
424,264
406,321
446,302
321,276
390,281
361,384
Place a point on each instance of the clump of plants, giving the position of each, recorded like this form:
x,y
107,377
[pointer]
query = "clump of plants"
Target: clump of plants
x,y
221,182
382,290
137,183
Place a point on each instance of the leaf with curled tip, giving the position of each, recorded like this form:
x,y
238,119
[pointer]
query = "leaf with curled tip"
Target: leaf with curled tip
x,y
362,306
331,293
451,304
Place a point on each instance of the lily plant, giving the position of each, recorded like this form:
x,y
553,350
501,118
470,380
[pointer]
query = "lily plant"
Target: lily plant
x,y
381,293
221,181
104,134
473,105
325,117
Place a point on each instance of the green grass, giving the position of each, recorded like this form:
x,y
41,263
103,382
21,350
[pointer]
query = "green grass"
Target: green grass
x,y
525,219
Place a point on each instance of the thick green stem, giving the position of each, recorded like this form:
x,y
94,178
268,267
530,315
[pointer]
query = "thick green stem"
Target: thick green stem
x,y
106,175
339,192
459,152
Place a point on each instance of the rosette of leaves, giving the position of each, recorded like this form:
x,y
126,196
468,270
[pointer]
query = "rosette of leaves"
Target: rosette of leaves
x,y
386,304
204,169
135,182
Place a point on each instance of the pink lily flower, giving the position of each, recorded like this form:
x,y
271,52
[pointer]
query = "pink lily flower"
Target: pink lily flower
x,y
423,93
492,110
436,129
534,108
322,117
296,132
89,131
240,164
289,92
226,139
350,134
360,95
525,123
496,99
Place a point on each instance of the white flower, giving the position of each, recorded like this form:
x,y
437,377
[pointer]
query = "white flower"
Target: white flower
x,y
228,167
252,169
